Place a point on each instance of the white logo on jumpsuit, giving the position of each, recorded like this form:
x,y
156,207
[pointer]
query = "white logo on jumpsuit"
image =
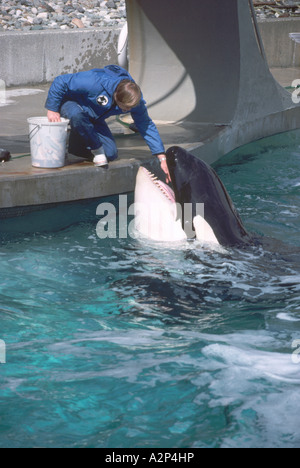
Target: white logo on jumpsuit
x,y
102,100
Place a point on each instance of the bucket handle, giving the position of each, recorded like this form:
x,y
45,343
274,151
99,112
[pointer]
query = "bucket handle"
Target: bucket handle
x,y
34,130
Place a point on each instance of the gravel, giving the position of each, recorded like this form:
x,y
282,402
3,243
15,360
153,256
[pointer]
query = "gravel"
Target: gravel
x,y
33,15
276,9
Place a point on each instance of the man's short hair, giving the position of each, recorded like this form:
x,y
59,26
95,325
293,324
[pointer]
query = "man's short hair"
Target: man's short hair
x,y
128,94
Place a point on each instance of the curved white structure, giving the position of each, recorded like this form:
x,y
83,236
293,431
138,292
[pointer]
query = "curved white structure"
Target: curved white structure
x,y
123,47
204,64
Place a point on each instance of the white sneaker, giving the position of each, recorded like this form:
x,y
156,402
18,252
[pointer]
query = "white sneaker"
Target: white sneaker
x,y
100,160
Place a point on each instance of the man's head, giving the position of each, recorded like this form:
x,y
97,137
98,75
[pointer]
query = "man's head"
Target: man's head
x,y
128,95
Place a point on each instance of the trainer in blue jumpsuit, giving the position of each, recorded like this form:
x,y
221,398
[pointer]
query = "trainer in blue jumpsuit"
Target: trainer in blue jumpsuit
x,y
87,99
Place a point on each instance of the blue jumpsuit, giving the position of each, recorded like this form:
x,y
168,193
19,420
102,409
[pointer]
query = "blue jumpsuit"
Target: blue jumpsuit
x,y
87,99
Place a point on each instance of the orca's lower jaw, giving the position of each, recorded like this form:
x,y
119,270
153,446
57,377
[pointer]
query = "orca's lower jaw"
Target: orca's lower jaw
x,y
155,209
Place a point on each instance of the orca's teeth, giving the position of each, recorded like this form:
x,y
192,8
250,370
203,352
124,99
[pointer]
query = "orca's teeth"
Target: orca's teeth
x,y
157,181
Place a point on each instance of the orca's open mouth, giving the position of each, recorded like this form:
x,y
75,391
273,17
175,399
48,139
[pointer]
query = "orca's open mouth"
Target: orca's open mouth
x,y
164,188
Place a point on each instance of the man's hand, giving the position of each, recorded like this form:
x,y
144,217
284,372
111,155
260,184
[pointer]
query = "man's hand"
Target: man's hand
x,y
53,116
164,166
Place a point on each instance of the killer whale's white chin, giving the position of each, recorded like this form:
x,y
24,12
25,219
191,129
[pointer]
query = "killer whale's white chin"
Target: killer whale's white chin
x,y
155,209
156,213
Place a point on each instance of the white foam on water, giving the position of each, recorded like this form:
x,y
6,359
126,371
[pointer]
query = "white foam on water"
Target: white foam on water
x,y
254,363
267,421
287,317
257,417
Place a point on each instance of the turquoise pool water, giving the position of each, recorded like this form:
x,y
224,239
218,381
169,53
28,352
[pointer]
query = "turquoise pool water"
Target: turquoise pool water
x,y
113,343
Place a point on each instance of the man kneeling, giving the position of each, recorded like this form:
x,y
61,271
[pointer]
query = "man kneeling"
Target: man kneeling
x,y
87,99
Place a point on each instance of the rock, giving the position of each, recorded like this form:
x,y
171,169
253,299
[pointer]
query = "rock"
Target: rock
x,y
66,20
111,4
36,28
86,22
27,3
68,9
43,16
49,8
29,20
115,15
77,22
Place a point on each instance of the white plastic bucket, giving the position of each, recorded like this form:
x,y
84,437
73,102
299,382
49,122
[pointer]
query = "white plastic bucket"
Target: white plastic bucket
x,y
48,142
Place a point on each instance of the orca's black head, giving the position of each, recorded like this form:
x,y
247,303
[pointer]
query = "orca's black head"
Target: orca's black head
x,y
195,182
182,172
180,165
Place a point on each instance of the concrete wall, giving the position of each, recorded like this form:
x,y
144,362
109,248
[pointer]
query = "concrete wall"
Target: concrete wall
x,y
38,57
281,51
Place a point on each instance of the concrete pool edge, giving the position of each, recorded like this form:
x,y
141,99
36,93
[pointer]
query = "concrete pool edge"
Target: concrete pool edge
x,y
76,182
23,187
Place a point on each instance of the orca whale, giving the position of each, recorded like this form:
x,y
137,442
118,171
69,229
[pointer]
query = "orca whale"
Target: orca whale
x,y
198,206
195,182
